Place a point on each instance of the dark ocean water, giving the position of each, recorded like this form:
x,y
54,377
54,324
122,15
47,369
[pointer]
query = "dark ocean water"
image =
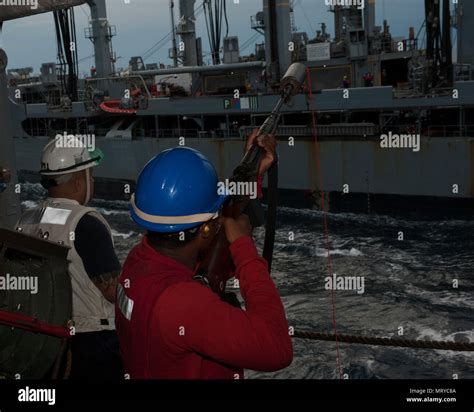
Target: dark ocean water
x,y
408,284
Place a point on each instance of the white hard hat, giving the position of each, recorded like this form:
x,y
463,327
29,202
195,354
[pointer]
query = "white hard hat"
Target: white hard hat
x,y
58,159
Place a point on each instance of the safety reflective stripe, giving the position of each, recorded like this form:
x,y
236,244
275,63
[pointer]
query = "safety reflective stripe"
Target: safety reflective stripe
x,y
172,220
124,302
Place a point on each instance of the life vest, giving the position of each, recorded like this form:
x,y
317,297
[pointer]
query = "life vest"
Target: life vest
x,y
56,220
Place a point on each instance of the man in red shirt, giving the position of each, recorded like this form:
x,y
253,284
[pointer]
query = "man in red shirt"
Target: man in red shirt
x,y
172,326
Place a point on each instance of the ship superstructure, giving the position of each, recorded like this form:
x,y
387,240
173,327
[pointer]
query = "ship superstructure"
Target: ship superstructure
x,y
394,115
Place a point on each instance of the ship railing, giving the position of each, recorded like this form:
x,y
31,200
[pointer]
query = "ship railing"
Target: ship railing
x,y
407,93
221,134
393,46
404,93
332,130
173,133
188,133
449,131
440,91
121,79
193,133
430,131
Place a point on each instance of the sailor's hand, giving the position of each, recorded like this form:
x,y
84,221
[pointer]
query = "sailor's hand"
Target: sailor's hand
x,y
107,284
268,143
236,228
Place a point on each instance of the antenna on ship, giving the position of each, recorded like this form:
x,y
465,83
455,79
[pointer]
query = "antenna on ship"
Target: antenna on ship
x,y
173,31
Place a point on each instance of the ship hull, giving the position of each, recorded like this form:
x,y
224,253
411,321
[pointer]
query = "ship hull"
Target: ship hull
x,y
356,175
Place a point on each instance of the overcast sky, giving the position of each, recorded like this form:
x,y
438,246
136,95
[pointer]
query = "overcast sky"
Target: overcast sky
x,y
142,23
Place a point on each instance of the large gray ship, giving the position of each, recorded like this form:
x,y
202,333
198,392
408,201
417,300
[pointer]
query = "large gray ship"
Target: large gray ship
x,y
387,121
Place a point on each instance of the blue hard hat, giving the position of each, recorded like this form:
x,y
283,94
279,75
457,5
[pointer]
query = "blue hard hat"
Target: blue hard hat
x,y
177,190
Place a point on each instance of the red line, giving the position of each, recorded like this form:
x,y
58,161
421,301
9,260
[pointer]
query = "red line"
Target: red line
x,y
325,213
31,324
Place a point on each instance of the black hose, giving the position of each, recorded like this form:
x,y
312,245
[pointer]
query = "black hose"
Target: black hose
x,y
74,55
272,196
60,55
226,19
64,21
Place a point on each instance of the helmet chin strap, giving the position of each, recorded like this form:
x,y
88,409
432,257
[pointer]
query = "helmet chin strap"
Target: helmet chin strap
x,y
88,187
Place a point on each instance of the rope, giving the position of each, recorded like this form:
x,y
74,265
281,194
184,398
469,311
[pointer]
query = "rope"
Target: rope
x,y
400,343
272,202
324,208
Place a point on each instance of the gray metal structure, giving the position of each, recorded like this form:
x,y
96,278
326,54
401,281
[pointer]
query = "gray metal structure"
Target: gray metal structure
x,y
466,32
187,31
202,69
369,18
9,199
11,12
278,35
101,34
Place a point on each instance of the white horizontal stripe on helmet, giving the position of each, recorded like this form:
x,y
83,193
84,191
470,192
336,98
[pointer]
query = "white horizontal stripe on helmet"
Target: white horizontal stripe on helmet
x,y
60,160
173,220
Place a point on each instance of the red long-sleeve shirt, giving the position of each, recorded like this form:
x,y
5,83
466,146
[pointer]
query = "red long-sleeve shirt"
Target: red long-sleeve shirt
x,y
180,329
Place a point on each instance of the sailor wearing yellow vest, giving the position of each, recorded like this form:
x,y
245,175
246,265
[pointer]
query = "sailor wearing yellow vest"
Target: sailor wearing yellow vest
x,y
93,265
